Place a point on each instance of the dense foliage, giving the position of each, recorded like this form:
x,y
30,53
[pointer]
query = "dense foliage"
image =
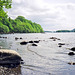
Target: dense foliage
x,y
4,29
6,4
18,25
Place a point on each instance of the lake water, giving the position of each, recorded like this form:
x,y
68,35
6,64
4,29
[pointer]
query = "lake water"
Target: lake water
x,y
45,59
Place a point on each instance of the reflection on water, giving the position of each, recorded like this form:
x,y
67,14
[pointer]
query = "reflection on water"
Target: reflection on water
x,y
45,59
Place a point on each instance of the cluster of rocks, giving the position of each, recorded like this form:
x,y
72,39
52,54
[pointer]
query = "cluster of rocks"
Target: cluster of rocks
x,y
3,37
54,38
16,38
71,63
60,44
26,42
72,53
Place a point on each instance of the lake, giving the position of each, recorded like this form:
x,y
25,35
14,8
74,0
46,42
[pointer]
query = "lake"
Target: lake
x,y
47,58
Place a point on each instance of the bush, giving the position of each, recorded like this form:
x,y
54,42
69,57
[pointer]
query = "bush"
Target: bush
x,y
4,29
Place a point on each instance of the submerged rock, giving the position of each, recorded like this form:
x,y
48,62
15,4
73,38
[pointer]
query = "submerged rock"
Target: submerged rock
x,y
3,37
34,44
73,49
23,43
61,43
71,53
16,38
9,57
71,63
53,38
31,41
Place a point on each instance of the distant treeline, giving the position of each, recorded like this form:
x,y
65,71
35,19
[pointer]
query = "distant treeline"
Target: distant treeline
x,y
66,30
19,25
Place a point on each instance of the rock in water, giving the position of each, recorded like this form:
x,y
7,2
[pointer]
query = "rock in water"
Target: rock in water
x,y
71,53
61,43
23,43
73,49
9,57
34,44
36,41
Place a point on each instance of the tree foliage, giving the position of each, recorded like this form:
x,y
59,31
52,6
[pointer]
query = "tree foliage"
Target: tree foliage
x,y
18,25
21,25
6,4
4,29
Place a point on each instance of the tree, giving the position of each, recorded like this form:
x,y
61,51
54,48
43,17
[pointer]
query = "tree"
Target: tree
x,y
4,29
6,4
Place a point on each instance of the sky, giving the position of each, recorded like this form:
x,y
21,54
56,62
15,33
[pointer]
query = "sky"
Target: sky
x,y
52,15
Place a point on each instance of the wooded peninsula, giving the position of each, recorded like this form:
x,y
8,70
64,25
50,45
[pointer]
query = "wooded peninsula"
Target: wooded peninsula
x,y
18,25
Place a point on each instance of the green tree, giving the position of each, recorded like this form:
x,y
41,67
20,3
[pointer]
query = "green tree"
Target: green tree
x,y
4,29
6,4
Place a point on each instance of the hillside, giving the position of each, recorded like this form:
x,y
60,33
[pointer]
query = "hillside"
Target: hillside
x,y
19,25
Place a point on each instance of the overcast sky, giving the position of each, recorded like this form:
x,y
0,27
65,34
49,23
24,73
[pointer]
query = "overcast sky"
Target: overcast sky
x,y
50,14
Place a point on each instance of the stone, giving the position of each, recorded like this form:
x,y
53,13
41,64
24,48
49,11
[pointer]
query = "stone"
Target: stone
x,y
23,43
71,53
9,57
73,49
16,38
61,43
60,46
34,44
31,41
71,63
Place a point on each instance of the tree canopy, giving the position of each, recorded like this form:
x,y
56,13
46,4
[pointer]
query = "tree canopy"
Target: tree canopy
x,y
18,25
6,4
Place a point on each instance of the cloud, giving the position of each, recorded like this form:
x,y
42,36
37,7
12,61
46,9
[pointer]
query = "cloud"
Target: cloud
x,y
51,15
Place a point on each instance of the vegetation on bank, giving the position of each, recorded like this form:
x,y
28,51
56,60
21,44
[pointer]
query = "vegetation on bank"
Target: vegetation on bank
x,y
66,30
63,31
18,25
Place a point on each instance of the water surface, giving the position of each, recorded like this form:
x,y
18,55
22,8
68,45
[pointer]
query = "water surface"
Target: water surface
x,y
45,59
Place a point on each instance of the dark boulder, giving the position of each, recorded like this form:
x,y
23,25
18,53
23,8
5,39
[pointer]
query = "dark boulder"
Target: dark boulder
x,y
20,37
9,57
71,53
31,41
73,49
34,44
23,43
